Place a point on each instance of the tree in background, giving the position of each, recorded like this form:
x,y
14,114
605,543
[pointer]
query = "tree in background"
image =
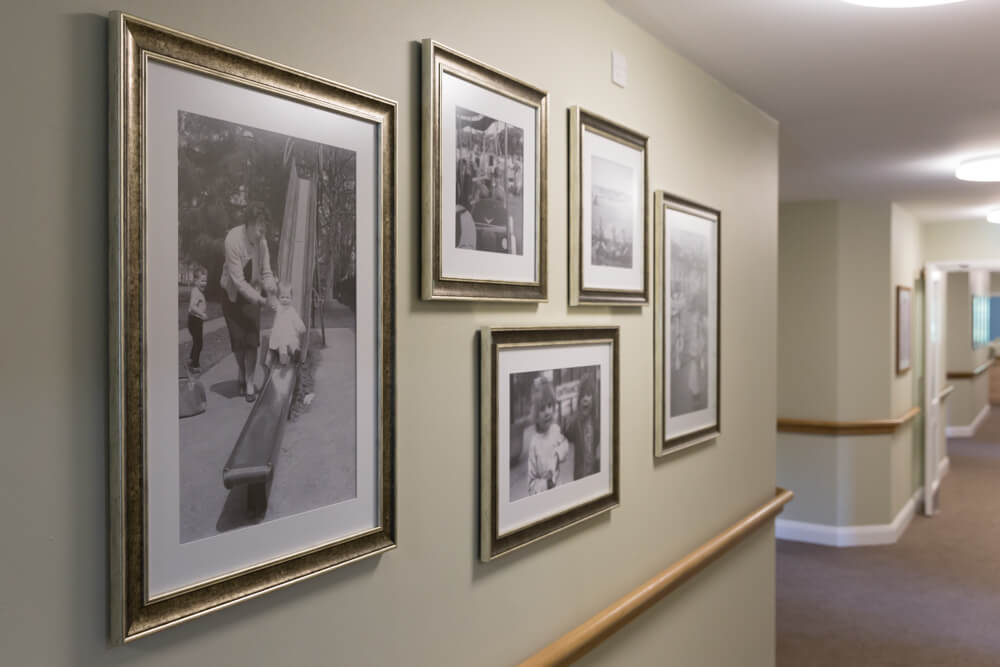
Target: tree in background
x,y
223,166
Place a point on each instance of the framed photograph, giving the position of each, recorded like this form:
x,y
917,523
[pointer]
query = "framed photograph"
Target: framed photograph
x,y
484,170
549,442
686,324
904,335
609,212
252,326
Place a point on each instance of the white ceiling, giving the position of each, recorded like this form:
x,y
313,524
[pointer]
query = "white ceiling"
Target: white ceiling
x,y
872,103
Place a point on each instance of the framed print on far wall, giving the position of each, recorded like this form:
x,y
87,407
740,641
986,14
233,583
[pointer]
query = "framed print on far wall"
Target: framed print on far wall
x,y
549,434
904,317
485,137
686,324
252,325
609,212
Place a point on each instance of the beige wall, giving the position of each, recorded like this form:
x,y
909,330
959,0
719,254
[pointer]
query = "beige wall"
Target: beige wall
x,y
973,240
968,399
860,251
429,602
832,284
907,442
807,464
906,269
838,480
970,395
807,310
959,353
904,460
864,322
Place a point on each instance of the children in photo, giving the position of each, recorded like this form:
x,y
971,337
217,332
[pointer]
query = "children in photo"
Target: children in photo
x,y
584,431
197,314
286,333
547,447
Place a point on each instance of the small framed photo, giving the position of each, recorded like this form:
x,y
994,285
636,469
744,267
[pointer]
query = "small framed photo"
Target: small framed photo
x,y
549,441
252,326
609,212
904,333
686,324
485,137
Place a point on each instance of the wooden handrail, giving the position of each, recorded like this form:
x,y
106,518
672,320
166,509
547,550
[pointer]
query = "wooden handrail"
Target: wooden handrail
x,y
578,642
860,427
965,375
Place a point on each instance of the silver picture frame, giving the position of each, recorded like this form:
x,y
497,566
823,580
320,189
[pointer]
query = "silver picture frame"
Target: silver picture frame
x,y
686,324
549,450
609,223
137,48
484,188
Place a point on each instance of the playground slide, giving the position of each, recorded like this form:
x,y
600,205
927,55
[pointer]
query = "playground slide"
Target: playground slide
x,y
255,454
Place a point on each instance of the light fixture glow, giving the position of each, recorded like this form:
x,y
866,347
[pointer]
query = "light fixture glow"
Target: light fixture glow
x,y
981,169
900,4
993,216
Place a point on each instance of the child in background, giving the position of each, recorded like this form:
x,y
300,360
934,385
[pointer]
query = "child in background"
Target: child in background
x,y
547,447
197,314
287,329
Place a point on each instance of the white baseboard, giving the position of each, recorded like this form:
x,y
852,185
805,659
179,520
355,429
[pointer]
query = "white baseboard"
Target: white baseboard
x,y
944,465
849,536
970,430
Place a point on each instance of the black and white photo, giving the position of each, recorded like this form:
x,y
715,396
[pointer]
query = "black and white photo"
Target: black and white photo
x,y
609,216
252,326
489,202
549,450
686,324
485,136
266,349
611,207
555,428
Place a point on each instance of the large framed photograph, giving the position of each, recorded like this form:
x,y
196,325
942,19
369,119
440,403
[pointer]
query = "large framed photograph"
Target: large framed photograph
x,y
252,326
485,138
686,324
609,212
904,333
549,441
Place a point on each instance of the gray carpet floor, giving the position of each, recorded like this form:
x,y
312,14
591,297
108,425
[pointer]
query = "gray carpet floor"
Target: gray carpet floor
x,y
933,598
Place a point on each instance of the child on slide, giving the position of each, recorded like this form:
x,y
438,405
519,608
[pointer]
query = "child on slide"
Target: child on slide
x,y
286,333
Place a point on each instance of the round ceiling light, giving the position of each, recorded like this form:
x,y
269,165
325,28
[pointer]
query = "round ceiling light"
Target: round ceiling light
x,y
982,169
900,4
993,216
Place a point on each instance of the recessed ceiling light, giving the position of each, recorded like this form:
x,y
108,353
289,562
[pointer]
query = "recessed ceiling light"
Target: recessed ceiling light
x,y
993,216
894,4
980,169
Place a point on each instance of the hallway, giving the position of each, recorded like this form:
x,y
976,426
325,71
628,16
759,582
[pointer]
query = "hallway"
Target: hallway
x,y
931,599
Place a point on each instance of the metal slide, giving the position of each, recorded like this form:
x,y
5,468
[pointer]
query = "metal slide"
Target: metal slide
x,y
254,456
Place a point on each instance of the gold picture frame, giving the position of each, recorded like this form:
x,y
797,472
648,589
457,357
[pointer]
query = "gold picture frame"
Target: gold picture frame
x,y
485,148
687,299
145,143
904,333
609,264
549,451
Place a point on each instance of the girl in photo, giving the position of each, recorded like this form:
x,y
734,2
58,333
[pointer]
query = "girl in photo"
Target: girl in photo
x,y
287,329
547,447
